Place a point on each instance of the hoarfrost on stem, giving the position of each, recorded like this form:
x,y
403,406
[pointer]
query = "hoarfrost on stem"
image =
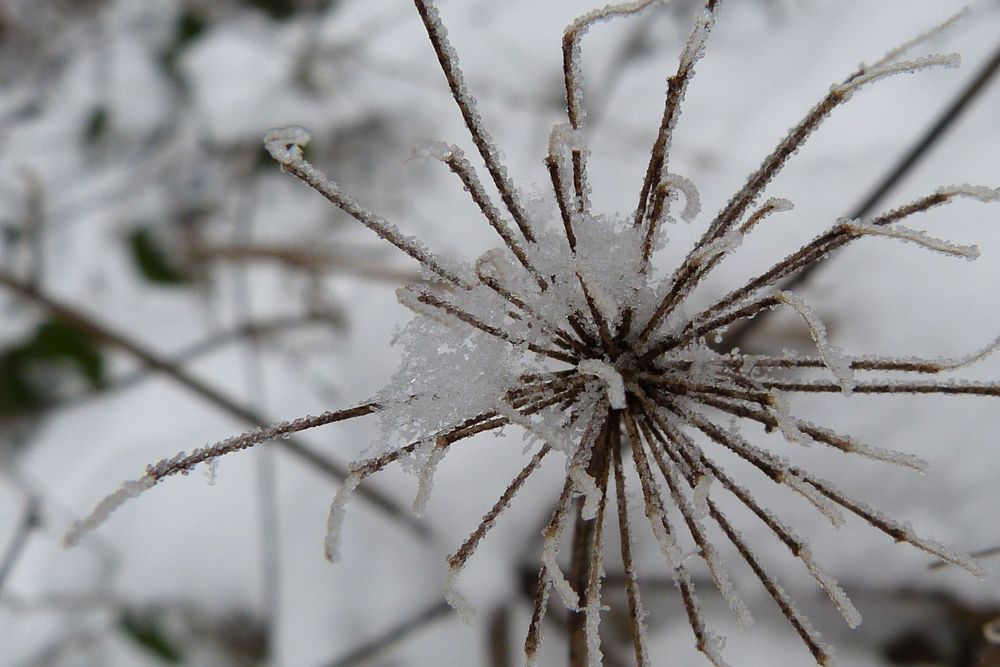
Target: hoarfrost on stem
x,y
563,332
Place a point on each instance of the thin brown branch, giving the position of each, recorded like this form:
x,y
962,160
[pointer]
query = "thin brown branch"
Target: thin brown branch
x,y
810,637
595,574
941,387
694,331
552,531
837,237
306,258
676,88
394,636
584,542
460,166
844,443
285,146
914,154
481,423
635,609
105,334
460,556
598,317
560,337
555,175
656,513
470,114
437,302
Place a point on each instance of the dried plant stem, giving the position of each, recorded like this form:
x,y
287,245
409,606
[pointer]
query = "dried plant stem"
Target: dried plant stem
x,y
255,329
484,143
369,650
581,555
651,386
896,174
30,519
306,258
635,610
105,334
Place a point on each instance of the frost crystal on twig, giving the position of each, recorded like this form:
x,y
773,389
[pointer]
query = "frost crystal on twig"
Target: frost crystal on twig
x,y
563,332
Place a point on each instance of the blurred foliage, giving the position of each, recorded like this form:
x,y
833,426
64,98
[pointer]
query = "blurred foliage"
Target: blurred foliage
x,y
190,26
279,10
97,125
153,260
30,367
146,629
10,233
955,634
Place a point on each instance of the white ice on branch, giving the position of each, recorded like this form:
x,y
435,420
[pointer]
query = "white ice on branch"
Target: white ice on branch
x,y
106,507
832,356
913,236
335,520
612,379
285,144
570,331
845,90
673,183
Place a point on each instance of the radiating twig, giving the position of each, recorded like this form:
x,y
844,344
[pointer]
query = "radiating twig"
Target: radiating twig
x,y
916,152
104,334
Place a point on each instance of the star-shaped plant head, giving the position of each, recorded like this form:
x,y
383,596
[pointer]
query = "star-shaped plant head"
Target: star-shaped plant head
x,y
564,332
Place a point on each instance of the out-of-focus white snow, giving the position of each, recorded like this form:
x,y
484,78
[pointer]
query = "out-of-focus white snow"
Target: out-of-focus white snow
x,y
761,72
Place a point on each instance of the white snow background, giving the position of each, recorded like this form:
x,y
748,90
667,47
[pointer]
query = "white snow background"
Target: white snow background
x,y
377,95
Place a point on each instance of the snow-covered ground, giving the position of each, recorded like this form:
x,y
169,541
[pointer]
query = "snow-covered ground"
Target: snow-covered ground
x,y
178,156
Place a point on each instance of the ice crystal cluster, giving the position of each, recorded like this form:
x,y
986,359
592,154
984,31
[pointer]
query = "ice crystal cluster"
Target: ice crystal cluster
x,y
563,331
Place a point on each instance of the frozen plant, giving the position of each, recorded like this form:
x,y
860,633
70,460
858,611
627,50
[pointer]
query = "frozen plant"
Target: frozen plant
x,y
564,331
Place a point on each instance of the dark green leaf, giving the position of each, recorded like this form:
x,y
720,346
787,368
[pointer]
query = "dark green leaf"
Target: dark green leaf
x,y
153,261
57,341
10,232
146,631
96,127
190,26
53,345
279,10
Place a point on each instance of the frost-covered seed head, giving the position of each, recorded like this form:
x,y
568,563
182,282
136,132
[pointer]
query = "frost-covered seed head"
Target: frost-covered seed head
x,y
562,332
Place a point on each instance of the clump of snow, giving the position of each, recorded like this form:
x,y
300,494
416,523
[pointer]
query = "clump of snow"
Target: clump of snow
x,y
712,648
285,144
978,192
612,379
699,497
448,373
